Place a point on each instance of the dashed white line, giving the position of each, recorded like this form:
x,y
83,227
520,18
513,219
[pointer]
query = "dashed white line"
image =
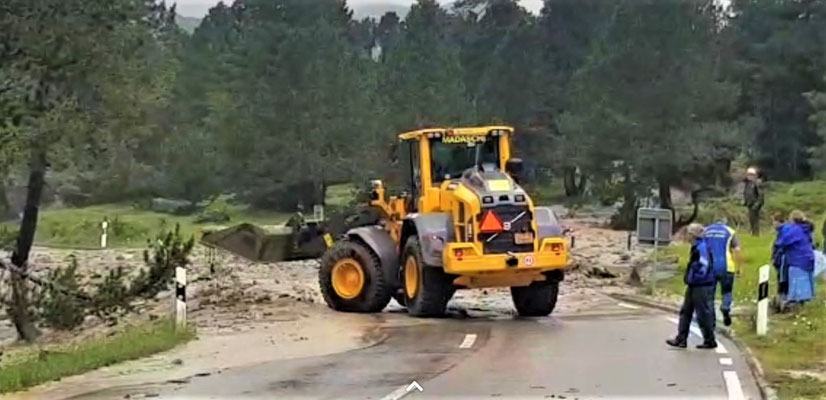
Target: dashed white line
x,y
726,361
735,391
630,306
720,348
470,338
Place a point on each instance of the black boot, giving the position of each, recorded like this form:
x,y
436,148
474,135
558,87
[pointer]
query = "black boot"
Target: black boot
x,y
677,343
726,317
707,345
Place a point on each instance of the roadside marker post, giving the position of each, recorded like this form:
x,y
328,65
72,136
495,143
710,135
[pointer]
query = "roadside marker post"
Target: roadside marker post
x,y
653,228
103,236
180,297
763,301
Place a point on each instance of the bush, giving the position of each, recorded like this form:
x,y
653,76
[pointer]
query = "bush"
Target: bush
x,y
112,295
163,256
60,308
8,237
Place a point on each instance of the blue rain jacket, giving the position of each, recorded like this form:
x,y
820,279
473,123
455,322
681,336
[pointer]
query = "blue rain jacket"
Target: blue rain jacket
x,y
700,271
793,246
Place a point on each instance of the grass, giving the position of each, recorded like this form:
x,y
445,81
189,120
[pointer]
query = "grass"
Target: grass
x,y
795,341
135,342
129,227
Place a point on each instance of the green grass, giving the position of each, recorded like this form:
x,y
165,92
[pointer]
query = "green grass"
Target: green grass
x,y
61,361
129,227
795,341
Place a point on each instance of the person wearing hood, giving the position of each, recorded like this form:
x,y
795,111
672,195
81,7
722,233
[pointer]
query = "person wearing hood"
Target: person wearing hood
x,y
699,295
793,250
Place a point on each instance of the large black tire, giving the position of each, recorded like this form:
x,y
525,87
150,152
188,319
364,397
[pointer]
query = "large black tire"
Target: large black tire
x,y
536,300
434,288
374,295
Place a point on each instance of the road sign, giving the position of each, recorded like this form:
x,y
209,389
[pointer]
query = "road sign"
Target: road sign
x,y
654,226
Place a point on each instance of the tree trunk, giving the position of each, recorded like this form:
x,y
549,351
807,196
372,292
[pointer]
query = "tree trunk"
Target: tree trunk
x,y
572,189
5,207
19,308
665,194
627,214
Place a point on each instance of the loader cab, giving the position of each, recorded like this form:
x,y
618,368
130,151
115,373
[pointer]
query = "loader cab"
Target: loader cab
x,y
432,157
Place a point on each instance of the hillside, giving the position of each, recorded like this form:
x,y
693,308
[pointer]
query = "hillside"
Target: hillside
x,y
188,24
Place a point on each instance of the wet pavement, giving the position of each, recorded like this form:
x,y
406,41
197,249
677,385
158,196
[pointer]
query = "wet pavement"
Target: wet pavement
x,y
610,351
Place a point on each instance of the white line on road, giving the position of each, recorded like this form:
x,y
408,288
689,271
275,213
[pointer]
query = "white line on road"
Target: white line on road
x,y
726,361
626,305
470,338
397,394
720,348
735,391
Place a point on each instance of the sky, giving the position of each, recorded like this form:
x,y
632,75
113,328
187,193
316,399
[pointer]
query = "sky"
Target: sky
x,y
199,8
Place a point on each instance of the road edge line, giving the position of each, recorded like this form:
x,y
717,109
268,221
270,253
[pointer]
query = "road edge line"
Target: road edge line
x,y
756,369
734,388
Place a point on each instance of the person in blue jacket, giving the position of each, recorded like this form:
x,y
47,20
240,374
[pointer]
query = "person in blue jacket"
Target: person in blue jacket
x,y
699,295
793,254
724,245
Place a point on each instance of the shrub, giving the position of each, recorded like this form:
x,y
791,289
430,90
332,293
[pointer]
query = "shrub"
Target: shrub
x,y
112,295
163,256
60,308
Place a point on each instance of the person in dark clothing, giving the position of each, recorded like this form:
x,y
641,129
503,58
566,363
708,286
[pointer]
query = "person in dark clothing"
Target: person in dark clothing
x,y
753,199
699,295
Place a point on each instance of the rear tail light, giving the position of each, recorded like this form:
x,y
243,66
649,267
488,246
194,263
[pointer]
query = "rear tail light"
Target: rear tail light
x,y
459,253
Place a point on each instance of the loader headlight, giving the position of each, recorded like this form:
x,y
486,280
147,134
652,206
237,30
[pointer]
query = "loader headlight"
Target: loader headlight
x,y
487,200
519,198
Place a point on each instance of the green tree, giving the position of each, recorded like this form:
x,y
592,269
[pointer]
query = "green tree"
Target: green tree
x,y
779,56
648,106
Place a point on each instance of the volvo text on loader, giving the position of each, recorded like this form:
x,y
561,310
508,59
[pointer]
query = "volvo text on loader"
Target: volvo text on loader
x,y
462,222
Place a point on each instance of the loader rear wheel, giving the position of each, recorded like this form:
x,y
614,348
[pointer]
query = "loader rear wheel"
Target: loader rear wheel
x,y
427,289
536,300
352,280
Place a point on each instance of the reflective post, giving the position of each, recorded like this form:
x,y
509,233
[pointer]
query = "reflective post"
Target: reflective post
x,y
180,297
763,301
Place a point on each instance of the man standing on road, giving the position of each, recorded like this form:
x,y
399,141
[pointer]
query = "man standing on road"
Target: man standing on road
x,y
699,295
724,246
753,199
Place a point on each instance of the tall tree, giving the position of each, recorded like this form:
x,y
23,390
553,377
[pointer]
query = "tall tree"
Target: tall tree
x,y
648,105
779,52
54,52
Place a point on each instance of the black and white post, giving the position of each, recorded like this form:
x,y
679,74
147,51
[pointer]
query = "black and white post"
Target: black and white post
x,y
180,297
104,235
763,301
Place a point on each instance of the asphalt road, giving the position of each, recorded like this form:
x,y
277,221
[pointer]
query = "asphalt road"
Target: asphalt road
x,y
611,351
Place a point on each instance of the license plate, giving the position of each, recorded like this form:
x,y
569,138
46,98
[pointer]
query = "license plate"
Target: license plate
x,y
523,238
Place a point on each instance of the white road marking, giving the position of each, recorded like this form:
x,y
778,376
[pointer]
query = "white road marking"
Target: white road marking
x,y
735,391
626,305
397,394
726,361
720,348
470,338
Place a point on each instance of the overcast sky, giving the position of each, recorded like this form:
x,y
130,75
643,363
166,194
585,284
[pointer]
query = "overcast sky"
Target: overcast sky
x,y
199,8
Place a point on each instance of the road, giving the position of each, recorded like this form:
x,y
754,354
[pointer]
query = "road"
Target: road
x,y
610,351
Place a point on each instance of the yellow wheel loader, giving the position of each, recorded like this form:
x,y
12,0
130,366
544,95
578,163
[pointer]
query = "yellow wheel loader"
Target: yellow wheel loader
x,y
463,221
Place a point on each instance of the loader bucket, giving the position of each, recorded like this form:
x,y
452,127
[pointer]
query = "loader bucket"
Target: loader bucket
x,y
258,244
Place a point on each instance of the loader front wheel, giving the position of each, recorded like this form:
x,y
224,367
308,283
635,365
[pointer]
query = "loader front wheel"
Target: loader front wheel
x,y
352,280
427,289
536,300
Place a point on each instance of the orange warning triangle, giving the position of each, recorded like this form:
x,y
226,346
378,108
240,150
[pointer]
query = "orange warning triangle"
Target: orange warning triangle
x,y
491,223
